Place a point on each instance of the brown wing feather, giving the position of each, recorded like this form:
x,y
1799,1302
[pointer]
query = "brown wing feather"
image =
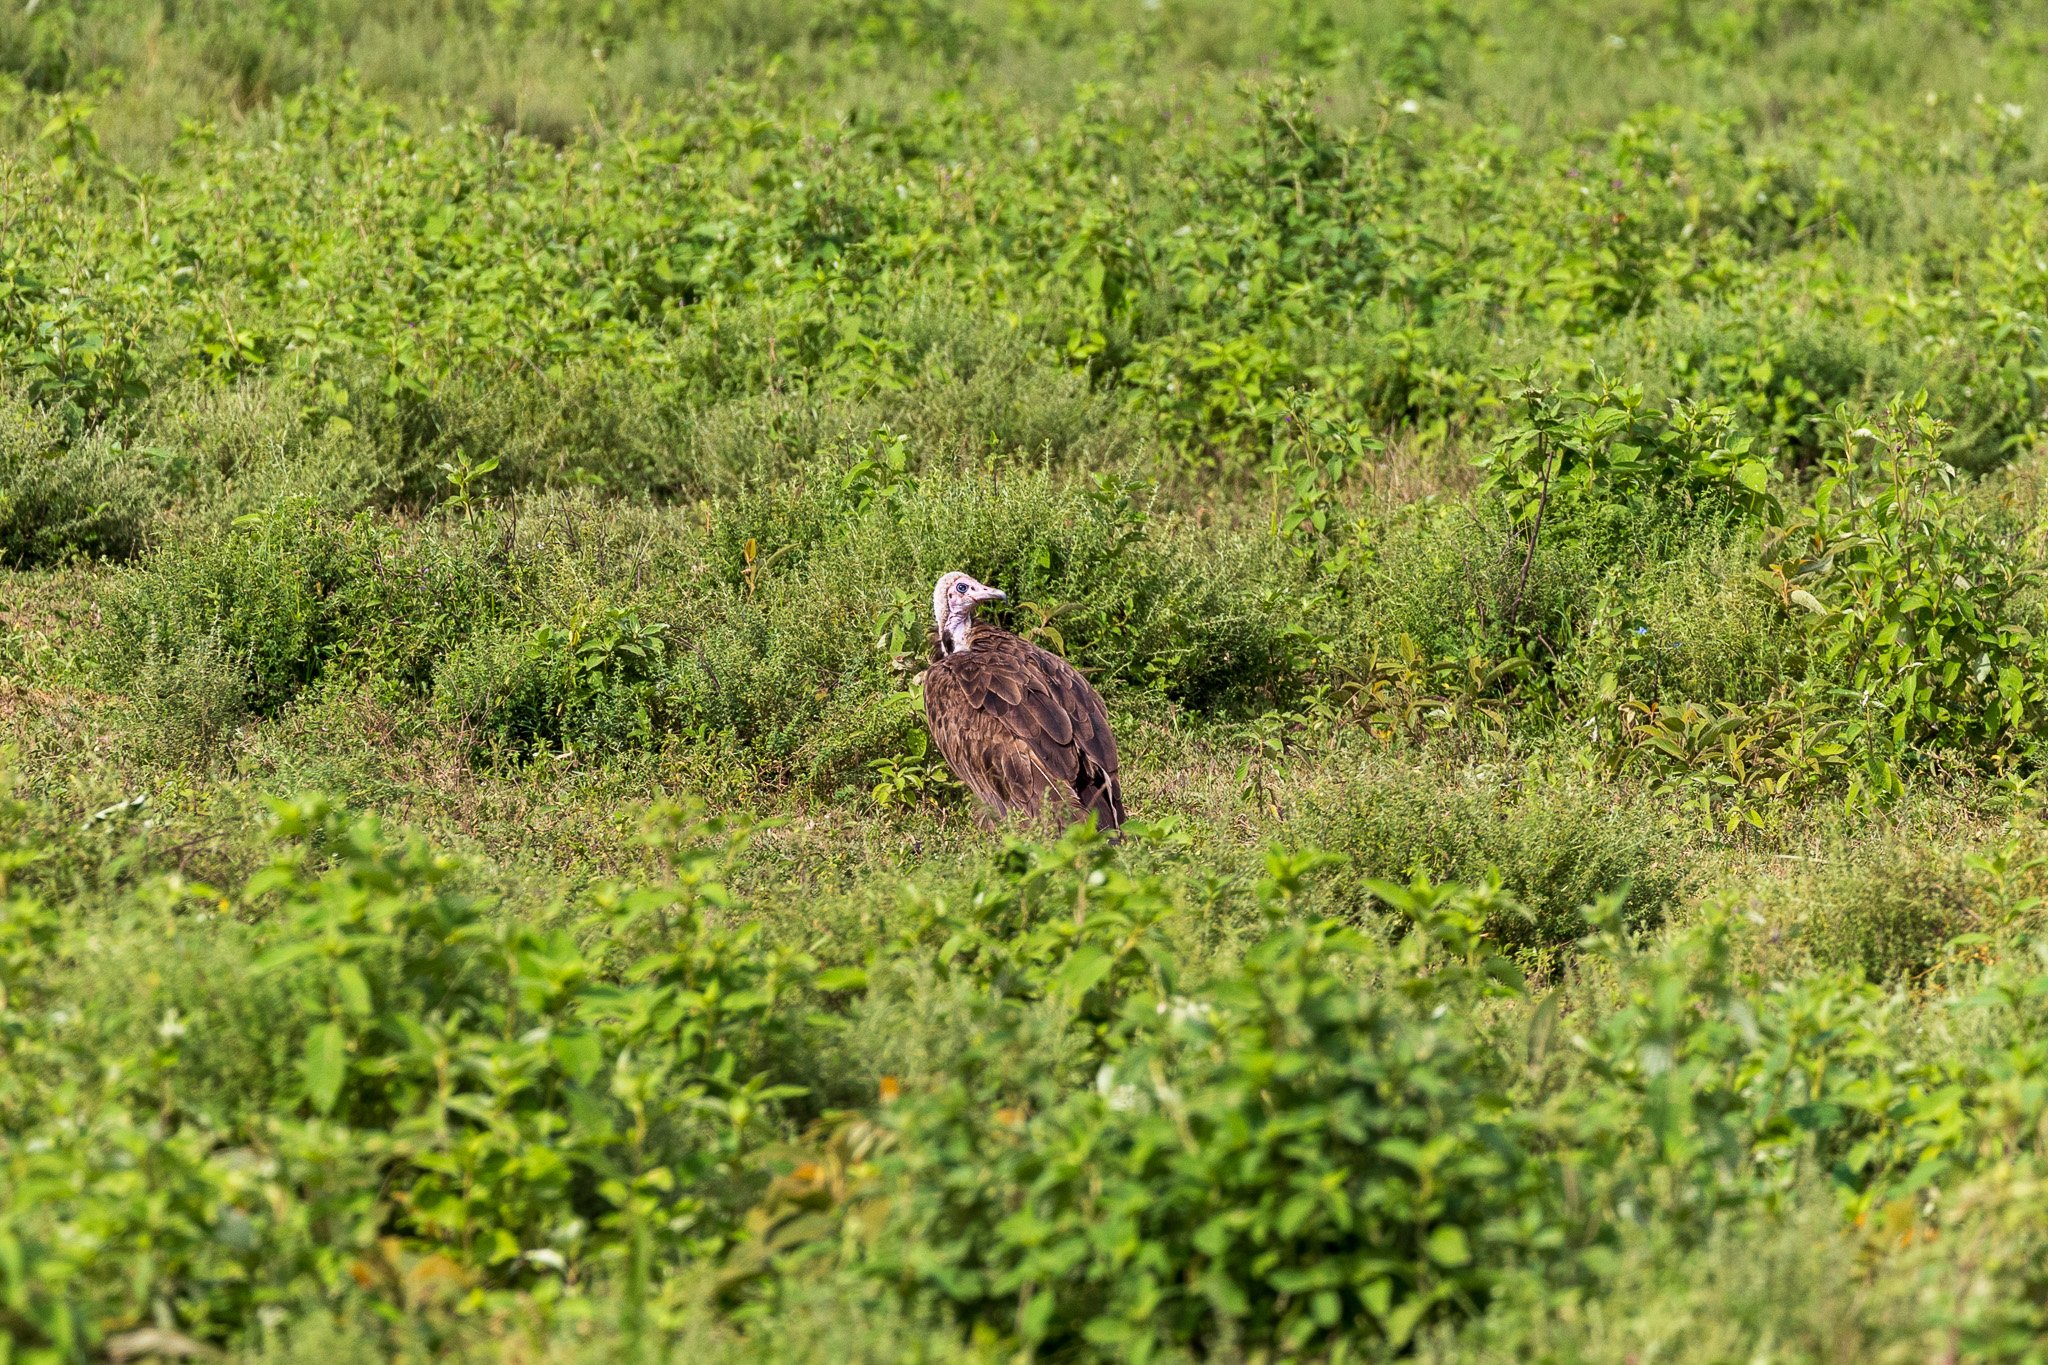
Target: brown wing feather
x,y
1018,725
954,718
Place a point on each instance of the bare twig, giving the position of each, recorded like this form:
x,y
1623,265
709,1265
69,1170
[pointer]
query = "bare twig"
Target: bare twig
x,y
1514,613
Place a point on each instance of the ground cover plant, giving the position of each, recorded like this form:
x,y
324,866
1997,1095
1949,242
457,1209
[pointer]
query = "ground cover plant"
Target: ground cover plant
x,y
1553,500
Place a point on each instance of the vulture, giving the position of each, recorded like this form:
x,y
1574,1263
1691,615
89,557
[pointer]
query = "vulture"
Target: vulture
x,y
1018,725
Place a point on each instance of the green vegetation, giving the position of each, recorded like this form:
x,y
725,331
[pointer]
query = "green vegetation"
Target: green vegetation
x,y
1552,496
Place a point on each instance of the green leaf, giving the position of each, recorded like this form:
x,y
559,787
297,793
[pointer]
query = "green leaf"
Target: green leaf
x,y
1753,475
1035,1316
1404,1150
1448,1247
1084,969
283,955
1400,1324
842,979
581,1054
325,1066
354,989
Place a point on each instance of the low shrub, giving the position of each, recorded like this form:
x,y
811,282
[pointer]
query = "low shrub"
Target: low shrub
x,y
1284,1160
186,703
225,452
1914,603
1696,627
1555,844
598,684
65,496
1793,1277
1338,1142
258,590
492,1095
292,591
1889,911
824,603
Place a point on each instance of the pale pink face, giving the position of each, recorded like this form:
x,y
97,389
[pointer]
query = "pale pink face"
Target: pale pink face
x,y
954,601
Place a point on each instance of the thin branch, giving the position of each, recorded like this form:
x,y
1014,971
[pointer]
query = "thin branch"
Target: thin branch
x,y
1535,529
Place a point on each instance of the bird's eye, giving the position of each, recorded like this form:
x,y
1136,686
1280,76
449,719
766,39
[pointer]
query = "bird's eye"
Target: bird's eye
x,y
959,587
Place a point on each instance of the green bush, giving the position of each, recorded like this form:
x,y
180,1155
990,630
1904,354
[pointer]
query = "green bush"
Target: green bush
x,y
1794,1278
65,496
225,452
596,684
1890,912
1911,600
799,641
1695,627
1783,375
529,1104
187,703
1554,844
257,590
293,592
1334,1142
565,620
476,1045
1282,1161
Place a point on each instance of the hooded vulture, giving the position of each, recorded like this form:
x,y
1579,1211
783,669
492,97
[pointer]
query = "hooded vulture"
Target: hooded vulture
x,y
1018,725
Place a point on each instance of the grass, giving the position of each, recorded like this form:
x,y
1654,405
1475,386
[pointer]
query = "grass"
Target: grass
x,y
1551,501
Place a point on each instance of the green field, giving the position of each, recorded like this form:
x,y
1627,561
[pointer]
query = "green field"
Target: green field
x,y
1554,497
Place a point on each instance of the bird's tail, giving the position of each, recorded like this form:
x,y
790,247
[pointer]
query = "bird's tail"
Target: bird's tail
x,y
1102,794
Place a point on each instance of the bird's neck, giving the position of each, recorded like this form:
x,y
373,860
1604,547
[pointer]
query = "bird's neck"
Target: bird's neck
x,y
959,633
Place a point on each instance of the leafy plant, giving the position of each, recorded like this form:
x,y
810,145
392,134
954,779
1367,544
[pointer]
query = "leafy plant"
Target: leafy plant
x,y
911,777
1912,602
462,473
1175,1201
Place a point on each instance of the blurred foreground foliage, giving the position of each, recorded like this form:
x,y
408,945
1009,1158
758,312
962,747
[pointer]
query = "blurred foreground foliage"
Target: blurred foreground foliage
x,y
349,1086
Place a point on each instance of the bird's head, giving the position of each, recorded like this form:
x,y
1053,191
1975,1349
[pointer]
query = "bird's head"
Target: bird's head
x,y
953,604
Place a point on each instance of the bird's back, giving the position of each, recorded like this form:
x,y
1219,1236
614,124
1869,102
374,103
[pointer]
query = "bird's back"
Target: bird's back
x,y
1020,727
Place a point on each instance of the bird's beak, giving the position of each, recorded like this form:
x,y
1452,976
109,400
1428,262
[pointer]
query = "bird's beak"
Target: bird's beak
x,y
989,595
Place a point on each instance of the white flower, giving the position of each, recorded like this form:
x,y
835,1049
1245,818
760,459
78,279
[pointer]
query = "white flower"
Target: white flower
x,y
1410,107
1122,1098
